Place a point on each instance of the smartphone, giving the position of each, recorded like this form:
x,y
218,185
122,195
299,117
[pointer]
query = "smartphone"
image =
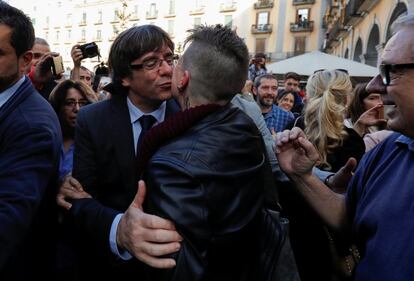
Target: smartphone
x,y
105,80
57,66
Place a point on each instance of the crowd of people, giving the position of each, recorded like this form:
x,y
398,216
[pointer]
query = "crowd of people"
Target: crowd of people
x,y
173,170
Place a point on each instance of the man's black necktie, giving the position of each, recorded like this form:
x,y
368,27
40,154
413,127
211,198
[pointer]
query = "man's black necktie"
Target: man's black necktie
x,y
146,121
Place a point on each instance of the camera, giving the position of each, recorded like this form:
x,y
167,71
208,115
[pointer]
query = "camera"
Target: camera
x,y
89,50
55,64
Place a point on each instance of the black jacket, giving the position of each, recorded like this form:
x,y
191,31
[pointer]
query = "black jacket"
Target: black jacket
x,y
210,182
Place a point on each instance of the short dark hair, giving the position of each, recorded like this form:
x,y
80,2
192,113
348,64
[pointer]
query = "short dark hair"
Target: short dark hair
x,y
218,61
132,44
260,56
258,79
22,37
292,75
285,93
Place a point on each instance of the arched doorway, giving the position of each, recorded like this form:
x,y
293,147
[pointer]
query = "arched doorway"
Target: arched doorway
x,y
346,54
358,50
371,57
400,9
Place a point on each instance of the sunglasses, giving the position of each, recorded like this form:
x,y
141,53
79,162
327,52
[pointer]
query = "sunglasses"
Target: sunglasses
x,y
386,69
338,69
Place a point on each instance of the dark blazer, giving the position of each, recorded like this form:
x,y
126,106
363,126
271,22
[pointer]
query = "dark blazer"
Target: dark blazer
x,y
104,163
30,141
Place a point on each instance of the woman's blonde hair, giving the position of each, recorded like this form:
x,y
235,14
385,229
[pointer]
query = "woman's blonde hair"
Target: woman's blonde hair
x,y
328,92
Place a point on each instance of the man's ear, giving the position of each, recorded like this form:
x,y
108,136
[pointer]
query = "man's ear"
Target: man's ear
x,y
185,79
254,89
126,82
26,59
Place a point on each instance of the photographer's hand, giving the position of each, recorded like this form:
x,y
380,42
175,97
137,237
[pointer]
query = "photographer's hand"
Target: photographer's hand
x,y
43,72
76,54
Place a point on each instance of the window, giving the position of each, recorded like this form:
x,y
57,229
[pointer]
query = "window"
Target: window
x,y
197,22
57,35
33,21
171,10
47,35
260,45
228,21
152,10
68,34
300,45
262,20
68,19
115,30
83,35
116,15
135,13
98,34
99,16
47,21
84,18
171,27
302,17
198,4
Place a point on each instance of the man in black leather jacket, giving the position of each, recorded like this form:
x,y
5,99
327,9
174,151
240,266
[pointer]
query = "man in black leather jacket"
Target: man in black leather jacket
x,y
205,167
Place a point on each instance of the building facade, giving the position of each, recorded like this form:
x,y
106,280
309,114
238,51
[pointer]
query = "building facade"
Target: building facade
x,y
358,29
279,28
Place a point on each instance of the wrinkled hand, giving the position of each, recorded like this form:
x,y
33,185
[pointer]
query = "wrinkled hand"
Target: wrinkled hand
x,y
76,55
70,189
43,70
147,237
296,155
339,181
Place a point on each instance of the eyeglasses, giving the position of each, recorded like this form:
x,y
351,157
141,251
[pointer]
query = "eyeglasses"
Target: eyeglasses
x,y
386,69
73,103
155,63
338,69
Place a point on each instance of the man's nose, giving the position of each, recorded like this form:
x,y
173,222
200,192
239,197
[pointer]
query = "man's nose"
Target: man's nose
x,y
376,86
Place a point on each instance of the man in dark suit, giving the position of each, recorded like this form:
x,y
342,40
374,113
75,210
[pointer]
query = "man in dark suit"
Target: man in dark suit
x,y
141,61
30,140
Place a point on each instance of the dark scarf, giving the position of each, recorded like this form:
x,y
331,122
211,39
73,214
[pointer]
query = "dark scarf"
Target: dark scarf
x,y
172,127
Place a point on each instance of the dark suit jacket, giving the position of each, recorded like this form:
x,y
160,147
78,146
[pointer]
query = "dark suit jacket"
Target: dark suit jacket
x,y
104,163
30,140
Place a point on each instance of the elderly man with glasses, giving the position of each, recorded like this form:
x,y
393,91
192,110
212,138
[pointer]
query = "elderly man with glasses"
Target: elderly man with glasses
x,y
377,210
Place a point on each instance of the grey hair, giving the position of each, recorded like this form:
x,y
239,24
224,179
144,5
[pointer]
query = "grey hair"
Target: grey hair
x,y
40,41
402,21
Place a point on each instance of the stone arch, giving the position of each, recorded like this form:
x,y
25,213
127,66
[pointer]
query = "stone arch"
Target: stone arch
x,y
346,54
400,9
371,56
358,50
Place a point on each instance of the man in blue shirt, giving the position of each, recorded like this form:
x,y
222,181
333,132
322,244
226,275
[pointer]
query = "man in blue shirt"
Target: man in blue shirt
x,y
378,208
265,90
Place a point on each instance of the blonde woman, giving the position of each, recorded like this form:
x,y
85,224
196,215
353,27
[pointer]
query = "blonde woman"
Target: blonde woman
x,y
329,92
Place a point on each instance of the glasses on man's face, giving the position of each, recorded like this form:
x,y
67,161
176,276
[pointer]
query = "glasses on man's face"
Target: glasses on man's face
x,y
73,103
155,63
386,69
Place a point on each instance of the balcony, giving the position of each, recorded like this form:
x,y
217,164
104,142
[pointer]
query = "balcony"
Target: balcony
x,y
305,26
262,28
264,4
82,23
352,14
302,2
228,7
151,15
170,14
197,11
336,32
